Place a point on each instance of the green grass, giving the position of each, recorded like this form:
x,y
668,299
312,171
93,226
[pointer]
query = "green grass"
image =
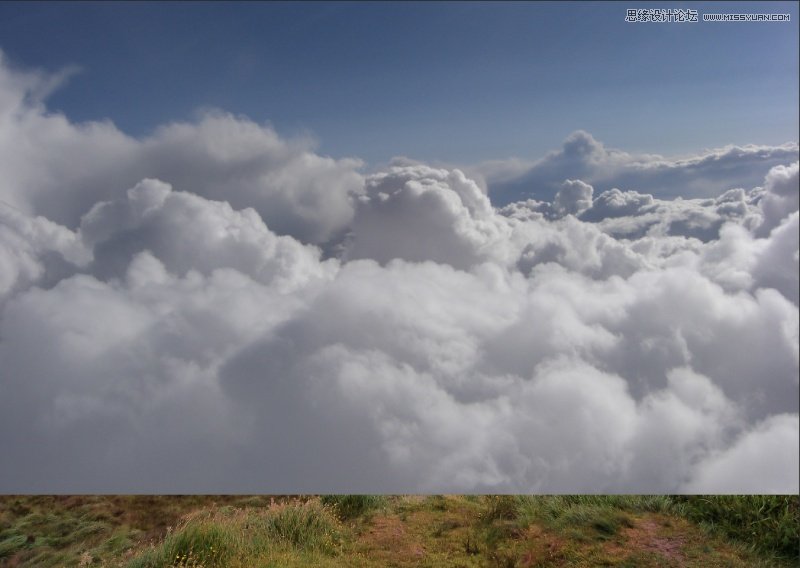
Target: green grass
x,y
49,530
588,515
310,525
244,537
11,545
352,506
195,544
368,531
767,523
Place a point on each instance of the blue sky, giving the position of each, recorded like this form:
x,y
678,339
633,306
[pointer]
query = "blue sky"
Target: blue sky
x,y
457,82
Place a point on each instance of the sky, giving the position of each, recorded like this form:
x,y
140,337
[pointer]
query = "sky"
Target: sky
x,y
451,81
391,248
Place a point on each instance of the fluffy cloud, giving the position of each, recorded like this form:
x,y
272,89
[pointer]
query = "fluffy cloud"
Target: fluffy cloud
x,y
214,309
780,196
761,452
187,232
58,169
631,214
706,174
35,250
574,197
420,213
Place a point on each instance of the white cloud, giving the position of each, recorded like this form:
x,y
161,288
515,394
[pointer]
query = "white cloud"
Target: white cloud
x,y
420,213
573,198
759,462
58,169
34,250
780,197
169,324
705,174
188,232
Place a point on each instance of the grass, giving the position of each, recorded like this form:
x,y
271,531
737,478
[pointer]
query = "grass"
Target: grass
x,y
402,531
244,537
351,506
46,531
603,514
767,523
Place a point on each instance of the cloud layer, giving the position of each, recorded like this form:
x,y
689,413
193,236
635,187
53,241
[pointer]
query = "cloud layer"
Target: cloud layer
x,y
60,170
215,309
706,174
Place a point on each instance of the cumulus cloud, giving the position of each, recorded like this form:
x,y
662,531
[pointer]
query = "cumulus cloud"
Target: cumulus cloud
x,y
632,214
705,174
35,250
187,232
761,452
58,169
215,309
573,198
420,213
780,196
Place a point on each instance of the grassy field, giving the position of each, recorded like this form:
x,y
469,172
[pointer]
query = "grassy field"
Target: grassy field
x,y
376,531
